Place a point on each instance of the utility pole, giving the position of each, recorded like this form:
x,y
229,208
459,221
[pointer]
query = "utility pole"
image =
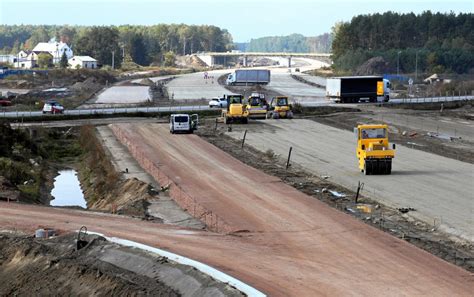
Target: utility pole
x,y
123,53
398,63
113,60
184,46
416,67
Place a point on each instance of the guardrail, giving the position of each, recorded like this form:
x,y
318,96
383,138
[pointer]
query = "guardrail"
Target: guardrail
x,y
434,99
199,108
107,111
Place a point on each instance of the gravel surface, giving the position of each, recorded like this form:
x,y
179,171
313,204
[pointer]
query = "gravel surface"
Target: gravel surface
x,y
439,188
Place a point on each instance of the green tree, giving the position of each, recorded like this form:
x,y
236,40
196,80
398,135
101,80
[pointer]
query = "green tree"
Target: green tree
x,y
100,43
44,60
170,59
63,63
16,47
66,34
138,50
40,34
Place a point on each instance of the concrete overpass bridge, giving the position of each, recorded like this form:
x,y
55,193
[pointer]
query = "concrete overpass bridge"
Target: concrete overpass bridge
x,y
210,57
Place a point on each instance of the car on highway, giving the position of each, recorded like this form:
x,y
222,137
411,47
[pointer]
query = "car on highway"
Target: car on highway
x,y
5,102
52,107
218,102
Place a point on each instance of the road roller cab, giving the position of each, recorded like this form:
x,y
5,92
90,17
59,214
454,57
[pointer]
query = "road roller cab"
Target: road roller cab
x,y
373,150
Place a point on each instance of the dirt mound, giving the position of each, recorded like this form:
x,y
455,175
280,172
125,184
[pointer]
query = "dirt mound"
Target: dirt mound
x,y
190,61
8,191
376,65
147,82
131,198
89,85
53,267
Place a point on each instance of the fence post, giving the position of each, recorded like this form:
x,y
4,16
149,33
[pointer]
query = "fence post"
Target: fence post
x,y
289,156
243,139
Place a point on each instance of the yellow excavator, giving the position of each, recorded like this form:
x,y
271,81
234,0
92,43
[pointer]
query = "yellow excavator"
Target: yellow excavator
x,y
257,106
280,108
236,111
373,151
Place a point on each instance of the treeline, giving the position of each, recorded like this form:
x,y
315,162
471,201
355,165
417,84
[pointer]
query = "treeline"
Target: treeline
x,y
295,43
143,44
440,42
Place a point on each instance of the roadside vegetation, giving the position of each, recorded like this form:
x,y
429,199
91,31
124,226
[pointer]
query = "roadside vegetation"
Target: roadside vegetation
x,y
144,45
294,43
430,42
29,159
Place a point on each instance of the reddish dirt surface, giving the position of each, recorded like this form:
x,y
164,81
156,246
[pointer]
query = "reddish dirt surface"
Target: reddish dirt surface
x,y
294,245
360,261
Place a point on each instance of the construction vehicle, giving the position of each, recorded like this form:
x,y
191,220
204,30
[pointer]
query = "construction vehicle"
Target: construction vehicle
x,y
279,108
236,111
183,123
257,106
373,151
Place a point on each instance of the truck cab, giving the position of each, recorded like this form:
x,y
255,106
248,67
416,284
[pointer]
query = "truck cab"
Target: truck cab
x,y
183,123
373,151
383,90
230,79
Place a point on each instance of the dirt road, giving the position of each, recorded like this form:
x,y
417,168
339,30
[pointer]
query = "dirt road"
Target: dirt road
x,y
290,239
194,86
438,188
313,264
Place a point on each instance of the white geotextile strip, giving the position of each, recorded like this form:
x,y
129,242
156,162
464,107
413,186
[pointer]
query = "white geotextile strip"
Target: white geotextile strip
x,y
214,273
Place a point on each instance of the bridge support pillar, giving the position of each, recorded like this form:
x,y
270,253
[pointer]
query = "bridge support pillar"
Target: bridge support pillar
x,y
289,62
246,62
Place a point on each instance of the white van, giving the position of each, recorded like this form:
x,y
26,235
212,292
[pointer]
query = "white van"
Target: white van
x,y
183,123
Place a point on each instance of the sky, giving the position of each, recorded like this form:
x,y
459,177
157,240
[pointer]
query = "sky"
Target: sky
x,y
244,19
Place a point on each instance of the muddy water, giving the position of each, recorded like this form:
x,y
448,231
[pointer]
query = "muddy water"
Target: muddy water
x,y
67,190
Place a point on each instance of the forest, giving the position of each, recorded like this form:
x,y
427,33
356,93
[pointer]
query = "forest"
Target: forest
x,y
294,43
430,42
143,44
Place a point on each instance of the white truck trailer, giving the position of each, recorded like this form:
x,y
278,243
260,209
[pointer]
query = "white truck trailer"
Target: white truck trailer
x,y
352,89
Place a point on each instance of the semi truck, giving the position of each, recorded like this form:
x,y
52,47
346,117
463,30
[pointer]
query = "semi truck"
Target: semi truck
x,y
247,77
352,89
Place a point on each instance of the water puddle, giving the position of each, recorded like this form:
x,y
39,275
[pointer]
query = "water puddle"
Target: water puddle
x,y
67,190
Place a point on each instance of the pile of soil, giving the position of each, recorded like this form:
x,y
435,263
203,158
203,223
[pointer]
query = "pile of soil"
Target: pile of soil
x,y
190,61
8,191
146,82
130,198
373,66
54,267
90,85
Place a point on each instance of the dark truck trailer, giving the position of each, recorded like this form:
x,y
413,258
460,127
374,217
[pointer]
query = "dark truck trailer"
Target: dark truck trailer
x,y
351,89
243,77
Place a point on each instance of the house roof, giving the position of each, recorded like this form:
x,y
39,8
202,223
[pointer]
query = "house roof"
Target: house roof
x,y
49,46
84,59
